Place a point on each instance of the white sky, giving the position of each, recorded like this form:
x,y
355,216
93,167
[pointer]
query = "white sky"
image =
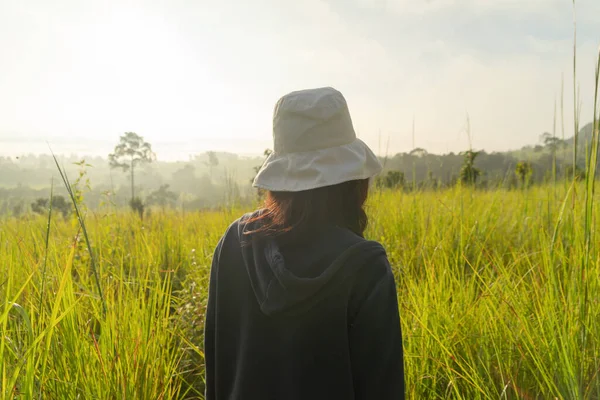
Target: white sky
x,y
197,75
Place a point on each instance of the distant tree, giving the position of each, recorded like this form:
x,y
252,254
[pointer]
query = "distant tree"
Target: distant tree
x,y
468,172
59,203
162,197
138,206
213,161
266,155
232,190
39,206
554,143
17,209
394,179
131,151
184,179
579,174
551,142
523,171
432,182
418,152
544,137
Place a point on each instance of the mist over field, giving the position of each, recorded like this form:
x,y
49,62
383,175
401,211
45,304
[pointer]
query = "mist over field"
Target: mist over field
x,y
212,179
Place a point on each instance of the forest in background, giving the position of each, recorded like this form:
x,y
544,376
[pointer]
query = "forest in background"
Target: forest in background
x,y
214,179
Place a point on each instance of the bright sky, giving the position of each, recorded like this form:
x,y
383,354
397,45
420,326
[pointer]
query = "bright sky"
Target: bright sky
x,y
197,75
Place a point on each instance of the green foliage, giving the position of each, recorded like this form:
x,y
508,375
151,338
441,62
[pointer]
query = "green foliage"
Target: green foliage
x,y
138,206
212,162
59,203
485,313
418,152
391,180
577,173
266,155
17,209
260,192
82,182
468,172
552,142
523,171
162,197
112,189
131,151
29,177
431,182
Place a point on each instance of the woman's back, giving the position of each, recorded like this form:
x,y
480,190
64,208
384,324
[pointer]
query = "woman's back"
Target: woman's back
x,y
299,322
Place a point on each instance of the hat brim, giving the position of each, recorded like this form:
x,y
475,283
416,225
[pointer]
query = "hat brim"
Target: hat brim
x,y
308,170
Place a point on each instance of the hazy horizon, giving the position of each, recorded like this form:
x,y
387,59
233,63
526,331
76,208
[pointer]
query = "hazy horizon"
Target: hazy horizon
x,y
193,77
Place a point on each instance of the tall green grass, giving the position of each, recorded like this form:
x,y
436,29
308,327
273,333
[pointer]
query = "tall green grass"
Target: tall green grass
x,y
492,299
491,304
67,346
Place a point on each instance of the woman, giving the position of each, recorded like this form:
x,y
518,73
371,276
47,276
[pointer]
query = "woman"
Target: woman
x,y
300,305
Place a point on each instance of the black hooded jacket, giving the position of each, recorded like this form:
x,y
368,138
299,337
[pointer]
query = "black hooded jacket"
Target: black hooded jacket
x,y
313,321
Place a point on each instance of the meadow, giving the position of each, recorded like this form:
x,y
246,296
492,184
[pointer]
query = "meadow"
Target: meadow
x,y
498,294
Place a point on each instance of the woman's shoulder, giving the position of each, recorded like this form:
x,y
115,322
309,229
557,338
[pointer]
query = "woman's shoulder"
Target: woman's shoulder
x,y
373,272
347,238
247,222
244,223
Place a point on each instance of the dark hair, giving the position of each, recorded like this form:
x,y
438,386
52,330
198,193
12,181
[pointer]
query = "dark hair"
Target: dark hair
x,y
293,216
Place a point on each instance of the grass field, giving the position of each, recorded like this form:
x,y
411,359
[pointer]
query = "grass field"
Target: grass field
x,y
498,294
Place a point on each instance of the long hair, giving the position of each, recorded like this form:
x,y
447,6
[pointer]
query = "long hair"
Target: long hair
x,y
294,216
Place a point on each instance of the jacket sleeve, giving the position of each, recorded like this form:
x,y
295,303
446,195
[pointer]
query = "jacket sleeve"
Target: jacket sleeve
x,y
209,326
376,340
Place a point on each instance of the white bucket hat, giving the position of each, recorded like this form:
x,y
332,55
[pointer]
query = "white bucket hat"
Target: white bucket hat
x,y
314,144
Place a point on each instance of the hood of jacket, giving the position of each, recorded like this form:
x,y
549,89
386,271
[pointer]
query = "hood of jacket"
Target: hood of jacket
x,y
294,279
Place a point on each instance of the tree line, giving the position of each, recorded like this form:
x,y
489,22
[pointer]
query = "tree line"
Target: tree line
x,y
549,161
132,175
